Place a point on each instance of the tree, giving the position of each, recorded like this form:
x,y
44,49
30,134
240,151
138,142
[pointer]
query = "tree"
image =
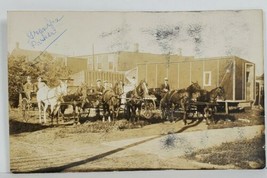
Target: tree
x,y
19,68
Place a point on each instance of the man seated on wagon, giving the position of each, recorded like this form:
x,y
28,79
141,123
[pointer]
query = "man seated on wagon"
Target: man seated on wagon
x,y
165,87
106,85
99,88
133,81
40,83
29,88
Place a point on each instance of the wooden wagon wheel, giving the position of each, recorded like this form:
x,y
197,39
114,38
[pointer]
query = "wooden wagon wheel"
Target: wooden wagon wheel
x,y
147,109
24,108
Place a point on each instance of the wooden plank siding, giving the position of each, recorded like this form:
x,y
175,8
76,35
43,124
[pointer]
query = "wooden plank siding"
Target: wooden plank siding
x,y
197,72
210,66
226,76
228,72
239,80
90,77
184,73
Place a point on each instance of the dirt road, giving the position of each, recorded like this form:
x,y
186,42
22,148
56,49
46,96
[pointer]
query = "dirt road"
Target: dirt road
x,y
62,149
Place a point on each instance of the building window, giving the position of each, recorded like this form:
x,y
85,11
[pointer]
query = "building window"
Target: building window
x,y
111,62
110,65
207,78
99,66
98,62
90,63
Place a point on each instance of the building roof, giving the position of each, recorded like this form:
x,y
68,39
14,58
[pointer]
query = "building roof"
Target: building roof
x,y
33,54
30,54
127,52
192,59
261,77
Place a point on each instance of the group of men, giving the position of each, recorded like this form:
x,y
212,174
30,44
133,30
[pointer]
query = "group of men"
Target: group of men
x,y
100,88
165,87
30,87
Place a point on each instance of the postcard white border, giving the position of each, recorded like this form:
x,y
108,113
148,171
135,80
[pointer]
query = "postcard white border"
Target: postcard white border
x,y
114,5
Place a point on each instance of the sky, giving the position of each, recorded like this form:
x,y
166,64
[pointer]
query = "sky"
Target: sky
x,y
199,34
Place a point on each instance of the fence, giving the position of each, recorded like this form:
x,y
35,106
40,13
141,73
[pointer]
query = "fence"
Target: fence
x,y
90,77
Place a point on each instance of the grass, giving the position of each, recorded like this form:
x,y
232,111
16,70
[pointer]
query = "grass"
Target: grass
x,y
103,127
238,119
246,154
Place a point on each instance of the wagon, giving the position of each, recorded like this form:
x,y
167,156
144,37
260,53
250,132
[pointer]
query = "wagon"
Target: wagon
x,y
27,108
194,110
197,109
149,108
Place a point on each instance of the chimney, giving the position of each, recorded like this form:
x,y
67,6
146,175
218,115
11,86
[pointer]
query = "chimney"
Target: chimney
x,y
17,45
136,47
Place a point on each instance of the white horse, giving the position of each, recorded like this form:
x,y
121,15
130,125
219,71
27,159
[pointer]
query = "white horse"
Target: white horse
x,y
50,96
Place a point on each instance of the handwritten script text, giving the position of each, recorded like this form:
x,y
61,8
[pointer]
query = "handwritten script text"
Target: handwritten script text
x,y
38,36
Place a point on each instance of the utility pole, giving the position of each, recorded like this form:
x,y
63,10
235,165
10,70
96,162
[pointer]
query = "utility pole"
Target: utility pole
x,y
168,63
93,55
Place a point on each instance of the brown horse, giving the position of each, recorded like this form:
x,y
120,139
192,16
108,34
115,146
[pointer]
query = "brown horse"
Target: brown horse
x,y
177,100
112,101
81,99
210,97
157,92
71,100
135,99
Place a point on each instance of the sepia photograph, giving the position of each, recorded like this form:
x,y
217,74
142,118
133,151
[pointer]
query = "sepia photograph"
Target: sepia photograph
x,y
128,91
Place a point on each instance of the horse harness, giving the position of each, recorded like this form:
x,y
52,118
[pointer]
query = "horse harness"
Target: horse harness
x,y
59,96
112,96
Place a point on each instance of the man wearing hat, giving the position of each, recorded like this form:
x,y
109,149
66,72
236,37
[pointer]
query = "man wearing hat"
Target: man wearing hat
x,y
40,83
99,88
29,88
133,83
106,86
165,87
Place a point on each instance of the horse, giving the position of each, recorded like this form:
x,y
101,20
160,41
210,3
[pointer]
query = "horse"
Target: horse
x,y
178,100
157,93
90,99
52,97
86,98
74,100
193,89
134,100
112,101
211,97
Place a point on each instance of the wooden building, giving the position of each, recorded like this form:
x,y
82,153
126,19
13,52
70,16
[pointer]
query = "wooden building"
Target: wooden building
x,y
89,77
236,75
260,90
31,55
120,61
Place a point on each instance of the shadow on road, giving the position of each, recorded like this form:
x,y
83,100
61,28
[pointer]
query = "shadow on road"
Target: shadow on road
x,y
17,127
189,126
102,155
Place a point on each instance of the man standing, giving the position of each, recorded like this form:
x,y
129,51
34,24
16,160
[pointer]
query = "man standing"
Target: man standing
x,y
29,88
